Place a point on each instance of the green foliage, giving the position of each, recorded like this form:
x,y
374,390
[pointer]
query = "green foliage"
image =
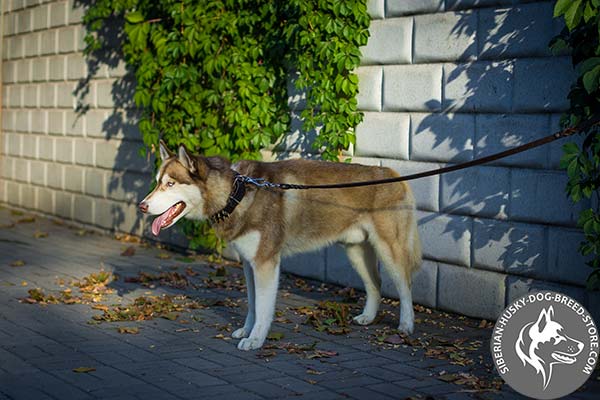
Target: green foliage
x,y
213,75
325,36
581,37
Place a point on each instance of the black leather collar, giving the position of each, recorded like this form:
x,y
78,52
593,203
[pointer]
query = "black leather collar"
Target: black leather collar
x,y
235,197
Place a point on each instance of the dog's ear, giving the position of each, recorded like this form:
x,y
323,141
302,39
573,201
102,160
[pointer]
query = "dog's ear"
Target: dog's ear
x,y
186,160
544,318
164,151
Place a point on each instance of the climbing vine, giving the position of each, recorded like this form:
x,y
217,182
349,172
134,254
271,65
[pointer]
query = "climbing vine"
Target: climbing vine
x,y
581,36
213,75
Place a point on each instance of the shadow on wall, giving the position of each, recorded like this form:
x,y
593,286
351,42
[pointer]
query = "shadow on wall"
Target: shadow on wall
x,y
129,179
503,92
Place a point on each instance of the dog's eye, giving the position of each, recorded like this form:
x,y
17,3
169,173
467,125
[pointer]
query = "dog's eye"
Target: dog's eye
x,y
558,339
170,184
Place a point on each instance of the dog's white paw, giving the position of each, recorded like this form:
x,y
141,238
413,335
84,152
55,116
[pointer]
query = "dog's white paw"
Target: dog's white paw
x,y
364,319
406,327
240,333
250,343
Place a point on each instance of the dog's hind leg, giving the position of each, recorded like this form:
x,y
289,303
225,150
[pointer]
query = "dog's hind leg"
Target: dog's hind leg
x,y
266,280
250,317
363,260
399,250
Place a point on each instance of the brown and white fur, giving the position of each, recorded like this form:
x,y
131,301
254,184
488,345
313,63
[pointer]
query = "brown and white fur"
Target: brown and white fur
x,y
371,222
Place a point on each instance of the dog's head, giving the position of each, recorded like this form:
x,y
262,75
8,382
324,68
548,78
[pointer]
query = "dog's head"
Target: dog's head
x,y
182,185
544,343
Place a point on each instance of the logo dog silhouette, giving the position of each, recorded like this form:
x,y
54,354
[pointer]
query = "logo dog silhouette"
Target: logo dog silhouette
x,y
543,344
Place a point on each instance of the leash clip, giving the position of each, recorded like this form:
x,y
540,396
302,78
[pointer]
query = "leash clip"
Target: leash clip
x,y
258,182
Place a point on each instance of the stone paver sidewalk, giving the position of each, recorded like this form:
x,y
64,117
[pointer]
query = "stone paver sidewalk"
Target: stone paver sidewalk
x,y
68,351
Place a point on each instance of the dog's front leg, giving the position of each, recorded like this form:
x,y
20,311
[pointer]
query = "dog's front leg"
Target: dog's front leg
x,y
250,317
266,280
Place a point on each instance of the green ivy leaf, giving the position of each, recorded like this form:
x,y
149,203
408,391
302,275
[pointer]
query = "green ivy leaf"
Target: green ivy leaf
x,y
573,14
590,79
589,12
589,64
561,7
134,17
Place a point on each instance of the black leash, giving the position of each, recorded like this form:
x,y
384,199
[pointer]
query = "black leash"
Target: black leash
x,y
493,157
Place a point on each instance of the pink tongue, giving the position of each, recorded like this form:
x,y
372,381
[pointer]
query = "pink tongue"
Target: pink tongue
x,y
157,223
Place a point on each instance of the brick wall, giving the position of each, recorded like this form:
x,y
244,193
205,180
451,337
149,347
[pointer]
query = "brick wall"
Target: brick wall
x,y
441,82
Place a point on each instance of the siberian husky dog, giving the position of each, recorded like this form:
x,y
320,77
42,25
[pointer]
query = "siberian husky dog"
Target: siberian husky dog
x,y
264,225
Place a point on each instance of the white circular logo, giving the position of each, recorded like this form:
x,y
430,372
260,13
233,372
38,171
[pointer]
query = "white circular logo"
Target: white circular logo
x,y
545,345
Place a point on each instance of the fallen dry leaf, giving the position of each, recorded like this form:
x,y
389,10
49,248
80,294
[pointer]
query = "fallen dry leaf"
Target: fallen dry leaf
x,y
163,256
173,279
275,336
266,354
394,339
321,354
84,370
221,279
17,263
304,350
40,234
422,309
126,238
448,377
38,296
328,316
171,316
472,381
147,308
133,330
128,252
303,285
314,372
282,320
94,286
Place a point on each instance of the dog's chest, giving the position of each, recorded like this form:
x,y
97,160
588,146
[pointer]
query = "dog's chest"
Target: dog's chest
x,y
247,245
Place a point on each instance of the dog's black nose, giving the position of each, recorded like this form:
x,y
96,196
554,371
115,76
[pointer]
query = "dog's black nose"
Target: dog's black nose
x,y
143,207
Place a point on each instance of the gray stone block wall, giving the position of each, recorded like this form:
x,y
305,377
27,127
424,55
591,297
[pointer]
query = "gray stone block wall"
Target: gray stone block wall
x,y
441,82
444,82
65,151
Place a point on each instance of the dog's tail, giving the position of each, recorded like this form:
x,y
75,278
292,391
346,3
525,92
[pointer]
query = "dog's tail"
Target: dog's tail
x,y
415,255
